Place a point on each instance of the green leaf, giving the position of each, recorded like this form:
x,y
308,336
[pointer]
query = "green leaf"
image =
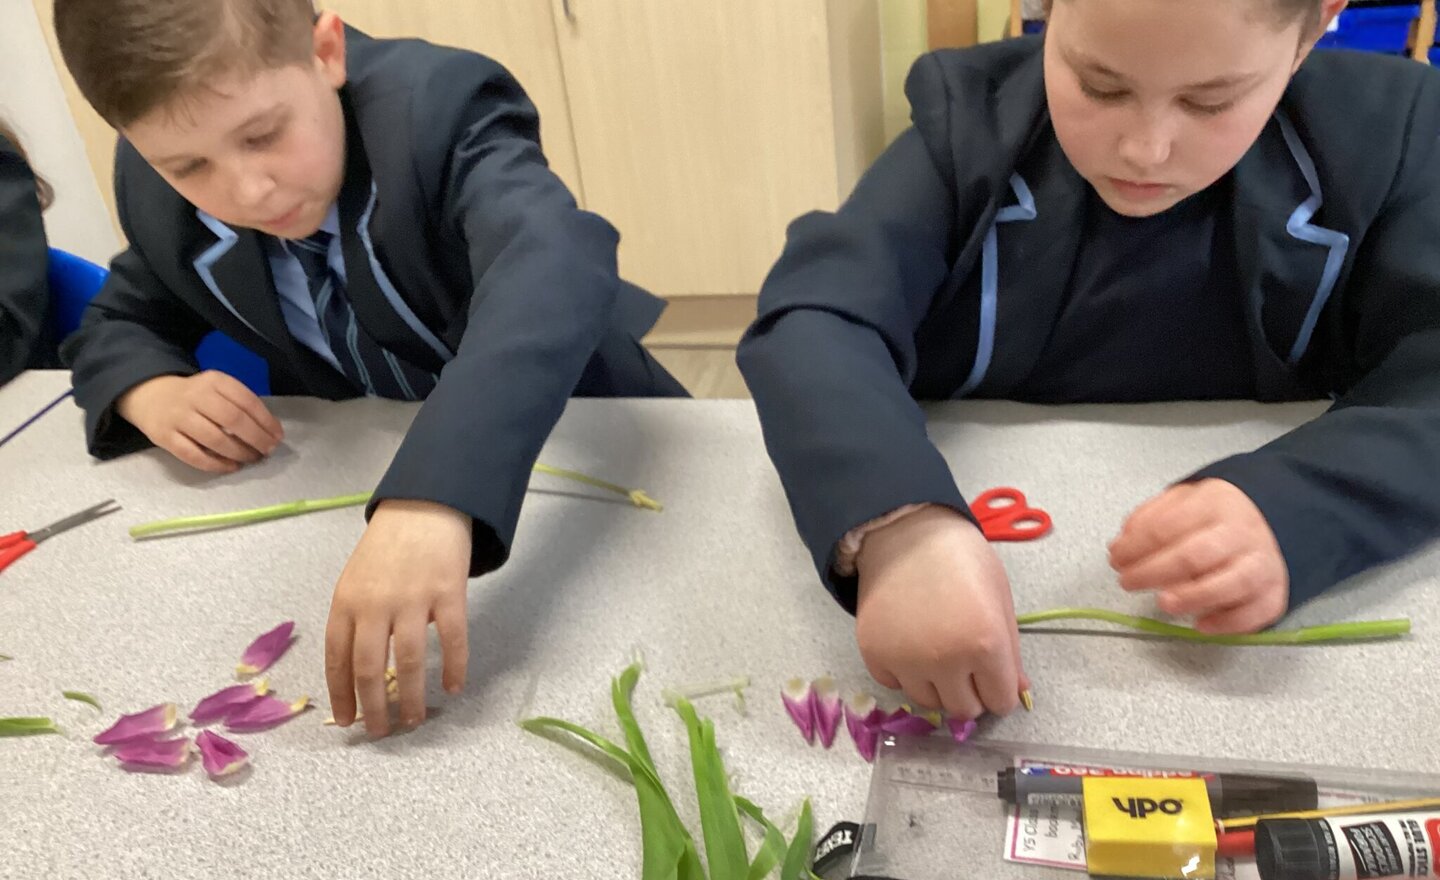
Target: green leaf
x,y
719,819
5,658
797,860
82,697
772,850
621,690
666,845
27,726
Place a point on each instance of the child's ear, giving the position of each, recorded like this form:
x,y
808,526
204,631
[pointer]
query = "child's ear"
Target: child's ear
x,y
1329,9
329,42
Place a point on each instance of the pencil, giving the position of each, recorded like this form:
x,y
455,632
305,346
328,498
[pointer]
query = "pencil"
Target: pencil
x,y
1354,810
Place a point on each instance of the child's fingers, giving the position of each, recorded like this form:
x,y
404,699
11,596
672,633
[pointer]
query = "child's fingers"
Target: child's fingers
x,y
1188,559
1157,524
452,625
1247,618
235,421
213,438
243,398
197,456
410,667
922,693
372,650
1227,587
997,682
960,697
339,671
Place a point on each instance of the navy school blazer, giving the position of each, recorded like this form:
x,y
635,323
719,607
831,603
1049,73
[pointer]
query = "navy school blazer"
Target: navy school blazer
x,y
464,253
25,335
944,273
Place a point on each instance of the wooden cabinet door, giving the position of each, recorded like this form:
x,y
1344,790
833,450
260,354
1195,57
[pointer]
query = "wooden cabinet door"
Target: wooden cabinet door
x,y
520,34
703,127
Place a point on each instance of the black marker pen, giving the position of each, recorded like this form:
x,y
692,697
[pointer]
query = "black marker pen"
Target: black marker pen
x,y
1231,794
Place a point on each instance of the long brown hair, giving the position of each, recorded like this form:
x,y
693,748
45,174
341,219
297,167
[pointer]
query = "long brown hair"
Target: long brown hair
x,y
43,190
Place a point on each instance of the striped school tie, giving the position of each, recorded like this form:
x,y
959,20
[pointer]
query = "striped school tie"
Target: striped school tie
x,y
364,361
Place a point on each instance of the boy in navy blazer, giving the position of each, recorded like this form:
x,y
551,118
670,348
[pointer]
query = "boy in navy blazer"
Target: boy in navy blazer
x,y
1157,201
373,217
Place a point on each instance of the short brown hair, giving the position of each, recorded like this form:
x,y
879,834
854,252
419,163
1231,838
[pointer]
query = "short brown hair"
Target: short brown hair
x,y
131,56
43,191
1305,11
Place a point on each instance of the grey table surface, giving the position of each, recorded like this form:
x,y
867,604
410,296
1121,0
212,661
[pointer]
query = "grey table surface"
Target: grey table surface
x,y
717,585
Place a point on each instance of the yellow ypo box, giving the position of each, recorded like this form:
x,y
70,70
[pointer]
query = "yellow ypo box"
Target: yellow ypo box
x,y
1137,827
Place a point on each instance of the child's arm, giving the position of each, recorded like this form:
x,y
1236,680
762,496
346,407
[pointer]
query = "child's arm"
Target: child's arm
x,y
135,374
831,356
545,286
829,361
24,294
1359,486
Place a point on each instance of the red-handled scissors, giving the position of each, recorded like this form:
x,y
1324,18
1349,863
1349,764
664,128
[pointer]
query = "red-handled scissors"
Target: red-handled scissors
x,y
1005,515
17,544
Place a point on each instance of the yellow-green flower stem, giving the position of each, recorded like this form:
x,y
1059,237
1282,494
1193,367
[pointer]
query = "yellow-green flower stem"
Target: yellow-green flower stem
x,y
247,517
636,497
1366,630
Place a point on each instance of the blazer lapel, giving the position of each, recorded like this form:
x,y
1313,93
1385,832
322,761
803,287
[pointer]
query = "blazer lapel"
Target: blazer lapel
x,y
370,291
1036,244
237,273
1288,264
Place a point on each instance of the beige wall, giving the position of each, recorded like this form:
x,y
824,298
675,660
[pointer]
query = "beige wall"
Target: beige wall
x,y
904,38
33,101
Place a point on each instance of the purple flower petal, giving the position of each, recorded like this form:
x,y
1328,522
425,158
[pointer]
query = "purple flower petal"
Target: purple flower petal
x,y
862,718
827,710
266,650
148,725
960,730
223,702
264,713
156,754
799,700
902,722
220,756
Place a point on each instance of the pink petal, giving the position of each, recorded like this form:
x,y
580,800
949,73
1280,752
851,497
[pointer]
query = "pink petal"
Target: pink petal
x,y
827,710
902,722
157,754
223,702
862,719
264,713
220,756
961,730
266,650
149,724
799,700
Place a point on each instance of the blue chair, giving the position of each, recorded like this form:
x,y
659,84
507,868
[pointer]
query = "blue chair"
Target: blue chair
x,y
74,281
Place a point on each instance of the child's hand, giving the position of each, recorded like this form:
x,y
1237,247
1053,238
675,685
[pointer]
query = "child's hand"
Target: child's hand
x,y
210,420
1209,551
935,618
410,568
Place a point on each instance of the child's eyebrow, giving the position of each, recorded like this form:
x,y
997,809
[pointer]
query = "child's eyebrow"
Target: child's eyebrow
x,y
267,114
1087,64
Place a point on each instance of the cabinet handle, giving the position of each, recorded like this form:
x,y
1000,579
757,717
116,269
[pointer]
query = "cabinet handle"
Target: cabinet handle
x,y
569,13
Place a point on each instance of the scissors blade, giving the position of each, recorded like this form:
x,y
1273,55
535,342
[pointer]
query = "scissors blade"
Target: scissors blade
x,y
104,508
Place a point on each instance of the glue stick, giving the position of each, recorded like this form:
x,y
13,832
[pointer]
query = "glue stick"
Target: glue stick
x,y
1349,847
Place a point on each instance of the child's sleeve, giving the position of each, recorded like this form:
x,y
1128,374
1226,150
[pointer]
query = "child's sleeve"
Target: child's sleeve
x,y
134,330
1360,486
545,288
832,354
24,293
